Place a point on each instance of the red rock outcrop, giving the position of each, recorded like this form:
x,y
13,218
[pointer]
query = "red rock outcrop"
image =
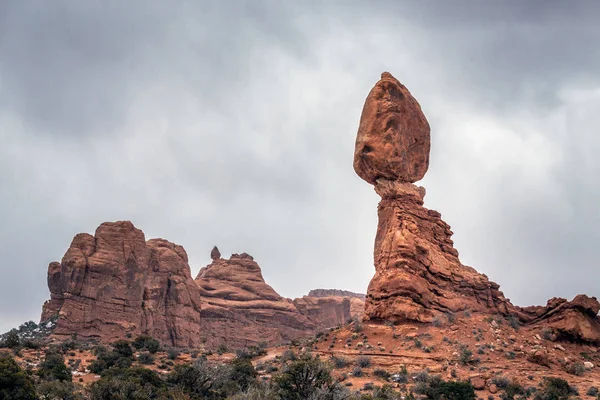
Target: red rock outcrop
x,y
335,292
418,274
240,309
357,302
325,312
393,137
572,320
115,283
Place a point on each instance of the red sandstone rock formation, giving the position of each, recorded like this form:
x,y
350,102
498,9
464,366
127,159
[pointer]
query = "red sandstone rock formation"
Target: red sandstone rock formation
x,y
576,319
334,292
393,136
115,283
357,303
239,309
418,274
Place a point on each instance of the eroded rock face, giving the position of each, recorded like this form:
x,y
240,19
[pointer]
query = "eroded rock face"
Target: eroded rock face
x,y
418,273
571,320
334,292
115,283
240,309
356,300
393,137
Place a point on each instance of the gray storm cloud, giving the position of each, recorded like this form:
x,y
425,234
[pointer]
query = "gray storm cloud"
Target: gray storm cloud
x,y
233,124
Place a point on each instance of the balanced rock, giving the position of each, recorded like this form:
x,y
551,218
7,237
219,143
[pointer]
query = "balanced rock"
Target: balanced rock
x,y
418,274
215,254
393,137
115,284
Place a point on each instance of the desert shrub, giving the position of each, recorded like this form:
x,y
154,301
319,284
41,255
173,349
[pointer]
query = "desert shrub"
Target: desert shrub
x,y
31,344
363,361
172,353
131,383
222,349
123,348
58,390
437,322
381,373
357,371
451,318
465,356
108,358
53,368
146,358
511,390
11,339
146,342
386,392
514,322
339,362
15,384
435,388
304,378
511,355
288,355
422,376
575,368
243,373
251,352
592,391
500,381
548,334
554,389
263,392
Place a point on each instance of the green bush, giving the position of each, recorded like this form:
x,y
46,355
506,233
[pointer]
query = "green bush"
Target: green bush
x,y
302,378
363,361
131,383
11,339
435,388
58,390
243,373
146,358
106,359
53,368
339,362
123,348
146,342
15,384
554,389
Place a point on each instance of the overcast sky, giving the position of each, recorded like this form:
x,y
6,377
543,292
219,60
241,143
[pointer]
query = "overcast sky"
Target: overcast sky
x,y
232,123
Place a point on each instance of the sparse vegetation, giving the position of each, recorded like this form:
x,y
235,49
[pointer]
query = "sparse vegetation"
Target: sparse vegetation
x,y
363,361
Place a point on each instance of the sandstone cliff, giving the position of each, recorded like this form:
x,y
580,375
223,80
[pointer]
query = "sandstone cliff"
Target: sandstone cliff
x,y
115,283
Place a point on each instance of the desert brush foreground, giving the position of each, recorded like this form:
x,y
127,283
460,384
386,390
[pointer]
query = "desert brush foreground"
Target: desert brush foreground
x,y
126,320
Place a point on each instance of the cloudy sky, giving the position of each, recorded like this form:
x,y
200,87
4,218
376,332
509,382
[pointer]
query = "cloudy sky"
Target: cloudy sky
x,y
232,123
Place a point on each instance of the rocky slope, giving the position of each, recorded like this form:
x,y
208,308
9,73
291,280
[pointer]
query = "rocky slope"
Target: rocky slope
x,y
116,283
418,275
